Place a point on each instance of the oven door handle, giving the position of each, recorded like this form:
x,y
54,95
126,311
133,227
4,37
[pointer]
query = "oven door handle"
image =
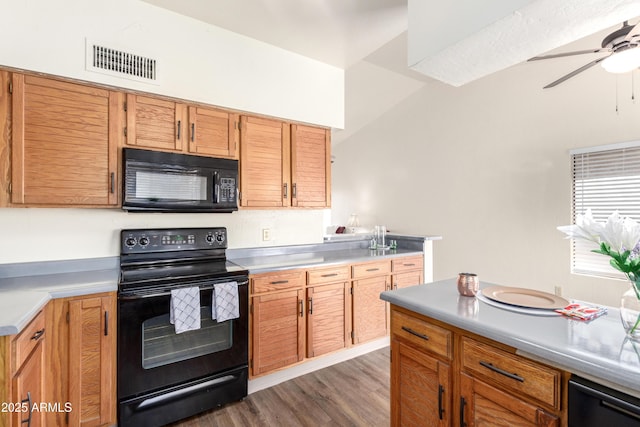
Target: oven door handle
x,y
140,295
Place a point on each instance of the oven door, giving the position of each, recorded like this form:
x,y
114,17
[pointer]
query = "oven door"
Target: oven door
x,y
151,356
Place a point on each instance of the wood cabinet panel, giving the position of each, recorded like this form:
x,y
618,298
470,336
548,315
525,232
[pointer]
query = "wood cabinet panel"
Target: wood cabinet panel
x,y
409,263
92,359
213,132
406,279
319,276
310,166
369,269
265,179
328,314
27,340
277,281
421,334
155,123
28,388
5,138
524,377
484,405
64,143
277,330
420,388
369,311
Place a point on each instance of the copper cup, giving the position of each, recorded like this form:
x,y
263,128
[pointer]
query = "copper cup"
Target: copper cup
x,y
468,284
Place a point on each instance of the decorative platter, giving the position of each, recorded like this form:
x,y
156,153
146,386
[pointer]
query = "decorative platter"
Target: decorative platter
x,y
522,297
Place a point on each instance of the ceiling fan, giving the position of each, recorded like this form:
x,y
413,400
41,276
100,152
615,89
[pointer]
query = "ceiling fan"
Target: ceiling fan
x,y
623,46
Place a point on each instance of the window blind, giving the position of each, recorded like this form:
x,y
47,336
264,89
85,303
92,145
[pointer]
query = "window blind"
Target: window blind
x,y
605,180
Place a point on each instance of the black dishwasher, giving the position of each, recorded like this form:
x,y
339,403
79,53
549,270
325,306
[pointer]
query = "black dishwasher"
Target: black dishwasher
x,y
592,404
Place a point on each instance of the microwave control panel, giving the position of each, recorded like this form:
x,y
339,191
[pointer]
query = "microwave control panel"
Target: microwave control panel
x,y
227,190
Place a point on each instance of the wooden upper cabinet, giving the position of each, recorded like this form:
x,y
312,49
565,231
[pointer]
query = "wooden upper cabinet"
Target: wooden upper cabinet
x,y
310,166
65,143
166,125
155,123
213,132
264,163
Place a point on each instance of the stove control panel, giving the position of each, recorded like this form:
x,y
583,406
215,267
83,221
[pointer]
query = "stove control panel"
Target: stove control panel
x,y
172,239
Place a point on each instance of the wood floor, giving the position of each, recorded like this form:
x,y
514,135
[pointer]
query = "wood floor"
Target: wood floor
x,y
351,393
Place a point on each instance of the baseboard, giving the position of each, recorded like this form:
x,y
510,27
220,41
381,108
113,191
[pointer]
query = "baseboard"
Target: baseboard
x,y
311,365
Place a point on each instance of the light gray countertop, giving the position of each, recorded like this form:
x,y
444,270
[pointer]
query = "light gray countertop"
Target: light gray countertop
x,y
597,350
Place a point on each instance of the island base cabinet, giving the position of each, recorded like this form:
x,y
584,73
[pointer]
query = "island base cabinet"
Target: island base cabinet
x,y
484,405
420,388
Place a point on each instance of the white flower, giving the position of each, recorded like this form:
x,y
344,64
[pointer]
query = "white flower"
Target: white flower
x,y
585,228
619,233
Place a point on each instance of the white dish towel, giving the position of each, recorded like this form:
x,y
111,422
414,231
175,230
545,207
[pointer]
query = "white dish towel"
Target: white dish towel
x,y
184,312
225,304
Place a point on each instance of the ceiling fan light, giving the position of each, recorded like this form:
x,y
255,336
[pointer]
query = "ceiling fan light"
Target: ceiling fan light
x,y
622,62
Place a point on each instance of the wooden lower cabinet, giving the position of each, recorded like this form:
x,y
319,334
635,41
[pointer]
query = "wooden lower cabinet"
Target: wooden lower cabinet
x,y
328,314
81,361
277,330
369,311
492,386
420,387
485,405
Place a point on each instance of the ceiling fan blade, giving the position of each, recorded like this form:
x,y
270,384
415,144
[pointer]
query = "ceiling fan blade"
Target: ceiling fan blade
x,y
634,32
560,55
574,72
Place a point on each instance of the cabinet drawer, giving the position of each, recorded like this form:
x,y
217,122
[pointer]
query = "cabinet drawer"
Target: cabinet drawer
x,y
370,269
399,265
513,372
277,281
421,333
328,275
27,340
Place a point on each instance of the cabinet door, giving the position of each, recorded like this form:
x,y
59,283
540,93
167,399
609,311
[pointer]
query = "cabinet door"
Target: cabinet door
x,y
310,166
369,311
264,163
277,330
213,132
28,389
65,141
484,405
156,123
420,388
409,278
329,312
92,361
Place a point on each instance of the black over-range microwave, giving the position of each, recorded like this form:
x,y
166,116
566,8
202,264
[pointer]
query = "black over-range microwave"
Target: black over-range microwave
x,y
174,182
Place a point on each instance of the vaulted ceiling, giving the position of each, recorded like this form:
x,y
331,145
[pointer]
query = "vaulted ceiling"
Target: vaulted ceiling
x,y
370,39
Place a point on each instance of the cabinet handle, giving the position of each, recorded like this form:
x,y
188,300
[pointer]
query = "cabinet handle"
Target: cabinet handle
x,y
279,282
462,403
28,400
294,190
417,334
106,323
301,308
38,334
112,184
502,371
179,128
193,131
372,269
440,401
310,305
329,275
285,191
409,265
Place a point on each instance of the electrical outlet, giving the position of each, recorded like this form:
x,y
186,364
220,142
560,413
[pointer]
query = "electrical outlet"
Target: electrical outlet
x,y
266,234
558,290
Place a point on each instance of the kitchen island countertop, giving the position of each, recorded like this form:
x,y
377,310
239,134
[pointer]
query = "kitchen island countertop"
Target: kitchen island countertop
x,y
596,350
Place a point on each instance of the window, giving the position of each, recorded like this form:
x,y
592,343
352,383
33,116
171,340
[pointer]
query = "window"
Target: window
x,y
605,179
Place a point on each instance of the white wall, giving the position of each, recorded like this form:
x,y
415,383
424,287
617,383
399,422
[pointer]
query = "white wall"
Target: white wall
x,y
197,62
486,166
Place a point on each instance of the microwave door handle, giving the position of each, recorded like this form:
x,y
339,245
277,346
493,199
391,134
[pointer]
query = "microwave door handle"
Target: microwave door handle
x,y
216,187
